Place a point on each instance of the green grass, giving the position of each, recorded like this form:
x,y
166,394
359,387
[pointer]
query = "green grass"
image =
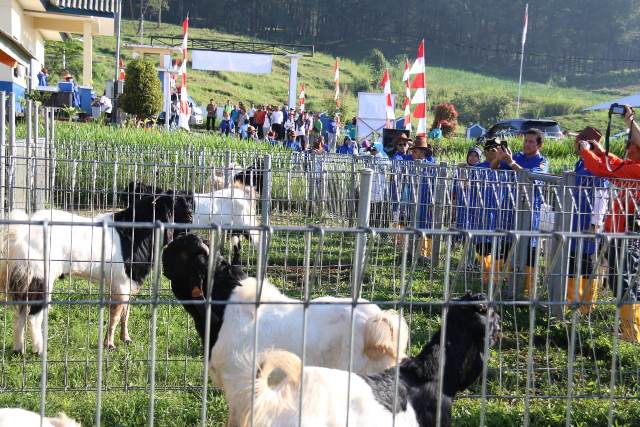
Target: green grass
x,y
538,100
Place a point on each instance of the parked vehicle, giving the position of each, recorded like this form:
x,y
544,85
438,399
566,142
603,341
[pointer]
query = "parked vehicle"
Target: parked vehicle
x,y
517,127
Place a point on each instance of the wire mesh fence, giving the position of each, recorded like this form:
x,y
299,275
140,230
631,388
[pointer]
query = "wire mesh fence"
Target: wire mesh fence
x,y
408,236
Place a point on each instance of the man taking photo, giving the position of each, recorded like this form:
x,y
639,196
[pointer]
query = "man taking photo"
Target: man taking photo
x,y
530,159
623,218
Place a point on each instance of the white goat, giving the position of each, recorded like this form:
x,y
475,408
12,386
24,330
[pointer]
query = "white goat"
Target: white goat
x,y
16,417
76,250
372,398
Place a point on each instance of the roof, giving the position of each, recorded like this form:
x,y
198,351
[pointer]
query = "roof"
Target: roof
x,y
632,100
82,7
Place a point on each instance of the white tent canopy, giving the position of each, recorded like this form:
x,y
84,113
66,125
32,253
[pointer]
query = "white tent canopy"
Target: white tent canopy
x,y
633,100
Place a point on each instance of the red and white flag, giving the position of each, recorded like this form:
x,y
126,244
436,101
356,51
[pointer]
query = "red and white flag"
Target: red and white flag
x,y
301,99
526,24
122,74
183,116
385,84
420,95
407,96
336,79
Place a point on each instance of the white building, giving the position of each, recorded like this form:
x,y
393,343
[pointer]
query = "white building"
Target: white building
x,y
26,24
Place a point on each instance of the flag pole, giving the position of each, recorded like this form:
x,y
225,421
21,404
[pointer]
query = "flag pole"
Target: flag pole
x,y
524,39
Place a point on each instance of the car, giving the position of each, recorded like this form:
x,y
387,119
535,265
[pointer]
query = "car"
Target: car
x,y
196,117
515,127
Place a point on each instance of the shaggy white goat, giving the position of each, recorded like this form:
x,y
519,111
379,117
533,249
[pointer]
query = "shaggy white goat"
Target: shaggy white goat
x,y
379,337
16,417
77,250
371,397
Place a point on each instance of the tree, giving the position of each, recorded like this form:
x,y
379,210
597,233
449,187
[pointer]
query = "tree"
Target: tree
x,y
158,6
64,55
142,95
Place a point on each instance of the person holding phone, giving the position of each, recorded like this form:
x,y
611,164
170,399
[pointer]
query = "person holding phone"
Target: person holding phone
x,y
591,202
530,158
623,218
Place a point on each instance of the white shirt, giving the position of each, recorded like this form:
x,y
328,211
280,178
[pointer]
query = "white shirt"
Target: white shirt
x,y
105,103
277,117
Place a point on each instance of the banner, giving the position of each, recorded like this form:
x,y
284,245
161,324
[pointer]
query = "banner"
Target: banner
x,y
227,61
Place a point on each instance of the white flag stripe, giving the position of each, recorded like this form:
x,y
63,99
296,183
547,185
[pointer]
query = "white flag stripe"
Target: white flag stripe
x,y
419,97
417,67
526,24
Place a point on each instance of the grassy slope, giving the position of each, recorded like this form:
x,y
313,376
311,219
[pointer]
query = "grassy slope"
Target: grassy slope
x,y
317,74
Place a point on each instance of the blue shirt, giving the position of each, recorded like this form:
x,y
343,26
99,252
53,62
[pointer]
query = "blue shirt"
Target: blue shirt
x,y
536,163
399,156
226,126
332,127
293,145
345,149
435,133
43,79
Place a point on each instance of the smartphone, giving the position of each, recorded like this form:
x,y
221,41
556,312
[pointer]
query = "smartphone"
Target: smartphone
x,y
505,144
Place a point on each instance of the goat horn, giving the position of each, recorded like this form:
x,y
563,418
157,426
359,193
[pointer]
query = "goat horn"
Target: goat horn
x,y
205,248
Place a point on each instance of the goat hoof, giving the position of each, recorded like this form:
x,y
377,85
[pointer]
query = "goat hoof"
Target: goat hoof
x,y
18,352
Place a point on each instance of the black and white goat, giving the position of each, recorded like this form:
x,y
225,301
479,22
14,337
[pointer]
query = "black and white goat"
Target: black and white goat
x,y
379,342
232,207
75,250
324,391
16,417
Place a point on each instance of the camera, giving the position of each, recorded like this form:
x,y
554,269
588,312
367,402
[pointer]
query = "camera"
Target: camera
x,y
617,109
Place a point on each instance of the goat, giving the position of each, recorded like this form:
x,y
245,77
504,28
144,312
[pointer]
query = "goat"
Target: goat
x,y
13,417
324,391
377,334
75,250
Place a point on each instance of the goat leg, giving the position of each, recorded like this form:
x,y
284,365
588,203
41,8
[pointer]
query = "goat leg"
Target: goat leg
x,y
35,328
19,322
124,326
115,313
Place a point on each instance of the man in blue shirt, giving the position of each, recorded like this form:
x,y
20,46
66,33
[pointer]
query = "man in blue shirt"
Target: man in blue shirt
x,y
227,126
530,159
401,143
488,208
291,142
591,198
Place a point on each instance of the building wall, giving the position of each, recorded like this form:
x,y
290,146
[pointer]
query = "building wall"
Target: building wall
x,y
22,29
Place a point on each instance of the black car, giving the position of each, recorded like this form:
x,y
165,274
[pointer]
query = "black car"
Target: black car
x,y
516,127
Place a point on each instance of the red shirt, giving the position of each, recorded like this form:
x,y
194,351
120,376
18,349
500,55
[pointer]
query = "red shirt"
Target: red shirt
x,y
628,196
259,117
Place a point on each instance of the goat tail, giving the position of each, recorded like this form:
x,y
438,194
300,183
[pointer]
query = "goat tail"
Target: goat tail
x,y
277,384
382,332
11,235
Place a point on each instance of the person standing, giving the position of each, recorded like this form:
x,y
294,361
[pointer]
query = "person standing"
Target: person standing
x,y
316,129
259,118
277,119
333,130
212,110
266,125
227,126
530,158
43,77
591,197
623,256
227,107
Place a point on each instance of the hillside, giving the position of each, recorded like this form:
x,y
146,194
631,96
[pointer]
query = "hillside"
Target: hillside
x,y
477,97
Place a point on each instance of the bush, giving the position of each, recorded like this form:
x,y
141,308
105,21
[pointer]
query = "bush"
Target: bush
x,y
482,107
446,115
377,62
142,95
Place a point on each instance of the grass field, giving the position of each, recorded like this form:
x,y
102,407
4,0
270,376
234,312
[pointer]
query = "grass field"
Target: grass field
x,y
538,100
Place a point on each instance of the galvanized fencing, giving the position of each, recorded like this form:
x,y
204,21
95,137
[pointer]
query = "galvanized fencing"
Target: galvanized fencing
x,y
408,236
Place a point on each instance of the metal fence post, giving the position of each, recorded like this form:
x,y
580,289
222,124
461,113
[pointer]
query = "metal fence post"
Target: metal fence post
x,y
364,211
12,148
3,157
563,220
227,169
524,211
439,205
28,157
266,207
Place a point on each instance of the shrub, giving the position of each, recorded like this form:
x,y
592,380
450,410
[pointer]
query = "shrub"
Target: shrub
x,y
446,115
483,108
377,62
142,95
